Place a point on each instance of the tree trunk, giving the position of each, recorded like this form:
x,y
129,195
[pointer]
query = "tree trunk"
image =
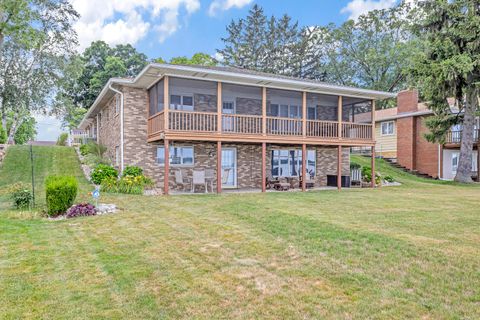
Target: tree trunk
x,y
464,170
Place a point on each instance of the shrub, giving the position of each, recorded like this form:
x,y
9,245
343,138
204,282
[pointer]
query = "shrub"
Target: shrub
x,y
3,135
96,149
81,209
101,172
61,191
389,178
62,139
83,149
133,171
367,175
354,165
127,184
21,196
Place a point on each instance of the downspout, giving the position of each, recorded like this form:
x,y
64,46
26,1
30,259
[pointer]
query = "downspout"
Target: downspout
x,y
121,125
440,162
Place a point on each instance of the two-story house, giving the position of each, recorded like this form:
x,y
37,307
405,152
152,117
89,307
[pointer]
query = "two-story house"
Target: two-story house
x,y
400,134
242,126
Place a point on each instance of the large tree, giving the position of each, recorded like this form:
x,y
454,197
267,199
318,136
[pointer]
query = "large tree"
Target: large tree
x,y
30,70
448,66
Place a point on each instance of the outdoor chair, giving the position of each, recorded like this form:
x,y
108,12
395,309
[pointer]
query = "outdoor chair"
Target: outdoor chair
x,y
225,176
270,181
199,180
309,182
179,179
209,177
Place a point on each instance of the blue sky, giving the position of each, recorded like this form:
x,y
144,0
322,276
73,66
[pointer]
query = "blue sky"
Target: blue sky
x,y
169,28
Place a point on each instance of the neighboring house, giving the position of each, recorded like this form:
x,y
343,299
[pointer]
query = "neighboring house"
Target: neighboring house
x,y
401,136
247,126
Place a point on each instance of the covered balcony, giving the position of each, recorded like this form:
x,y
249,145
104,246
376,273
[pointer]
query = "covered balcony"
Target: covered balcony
x,y
218,111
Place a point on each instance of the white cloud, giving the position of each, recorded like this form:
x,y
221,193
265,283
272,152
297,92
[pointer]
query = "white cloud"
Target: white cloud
x,y
128,21
356,8
223,5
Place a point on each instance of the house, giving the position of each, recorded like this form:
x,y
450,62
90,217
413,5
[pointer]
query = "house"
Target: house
x,y
400,135
246,126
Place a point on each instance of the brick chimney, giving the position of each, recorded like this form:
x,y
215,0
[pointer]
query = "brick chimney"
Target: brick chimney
x,y
407,101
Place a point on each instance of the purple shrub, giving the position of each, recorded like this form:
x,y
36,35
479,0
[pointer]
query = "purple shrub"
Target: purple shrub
x,y
81,209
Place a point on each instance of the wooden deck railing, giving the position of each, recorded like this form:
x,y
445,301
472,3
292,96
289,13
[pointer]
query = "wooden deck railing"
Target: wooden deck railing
x,y
322,129
156,123
455,136
193,121
356,131
242,124
284,126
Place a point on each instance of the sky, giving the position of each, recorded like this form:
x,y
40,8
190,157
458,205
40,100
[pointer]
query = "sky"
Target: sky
x,y
170,28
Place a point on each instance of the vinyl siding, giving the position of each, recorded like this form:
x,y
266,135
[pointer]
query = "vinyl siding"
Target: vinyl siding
x,y
386,146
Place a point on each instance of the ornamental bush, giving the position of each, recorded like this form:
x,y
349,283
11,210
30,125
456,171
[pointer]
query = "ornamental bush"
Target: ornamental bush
x,y
127,184
21,196
367,175
81,209
62,139
101,172
83,149
133,171
389,178
61,192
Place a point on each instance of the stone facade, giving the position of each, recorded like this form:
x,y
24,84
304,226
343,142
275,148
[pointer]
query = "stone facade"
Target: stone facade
x,y
139,152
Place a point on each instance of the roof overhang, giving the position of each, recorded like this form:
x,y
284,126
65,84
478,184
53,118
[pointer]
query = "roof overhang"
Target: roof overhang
x,y
155,71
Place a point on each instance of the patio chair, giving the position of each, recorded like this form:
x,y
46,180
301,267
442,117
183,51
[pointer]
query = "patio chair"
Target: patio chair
x,y
210,177
309,182
225,175
270,181
179,179
199,180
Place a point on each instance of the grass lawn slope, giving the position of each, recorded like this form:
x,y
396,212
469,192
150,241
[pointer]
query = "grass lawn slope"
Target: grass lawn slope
x,y
390,253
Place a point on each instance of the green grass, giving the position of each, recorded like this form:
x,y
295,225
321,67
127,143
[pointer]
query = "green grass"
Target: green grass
x,y
389,253
47,161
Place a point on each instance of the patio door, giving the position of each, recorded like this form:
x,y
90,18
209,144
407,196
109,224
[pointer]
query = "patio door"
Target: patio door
x,y
229,167
228,108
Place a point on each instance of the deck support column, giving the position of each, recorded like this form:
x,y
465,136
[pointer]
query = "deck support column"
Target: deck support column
x,y
166,174
373,167
264,111
304,167
478,161
264,166
339,168
219,167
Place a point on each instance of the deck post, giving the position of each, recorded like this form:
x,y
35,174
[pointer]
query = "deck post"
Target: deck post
x,y
304,114
340,116
339,168
478,160
166,102
264,111
373,120
166,167
264,166
219,167
304,167
219,107
373,167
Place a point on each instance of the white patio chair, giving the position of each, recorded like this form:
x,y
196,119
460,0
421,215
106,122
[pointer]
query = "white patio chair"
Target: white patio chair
x,y
179,179
209,177
199,180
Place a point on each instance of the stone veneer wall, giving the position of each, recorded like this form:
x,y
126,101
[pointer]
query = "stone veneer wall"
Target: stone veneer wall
x,y
137,151
109,129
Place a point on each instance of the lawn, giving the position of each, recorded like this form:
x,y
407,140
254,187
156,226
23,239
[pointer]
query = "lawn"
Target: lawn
x,y
389,253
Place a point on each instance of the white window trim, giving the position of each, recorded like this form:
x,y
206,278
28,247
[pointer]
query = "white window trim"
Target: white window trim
x,y
289,110
169,153
387,123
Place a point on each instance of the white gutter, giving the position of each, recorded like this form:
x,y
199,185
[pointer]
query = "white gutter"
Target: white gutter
x,y
440,162
121,125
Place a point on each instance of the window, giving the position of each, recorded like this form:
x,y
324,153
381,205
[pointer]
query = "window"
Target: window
x,y
178,102
117,156
455,156
288,162
387,128
117,104
311,113
178,155
284,111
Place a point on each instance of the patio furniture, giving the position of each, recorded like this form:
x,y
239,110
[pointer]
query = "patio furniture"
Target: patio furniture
x,y
282,185
179,179
225,175
199,180
270,181
309,182
210,177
